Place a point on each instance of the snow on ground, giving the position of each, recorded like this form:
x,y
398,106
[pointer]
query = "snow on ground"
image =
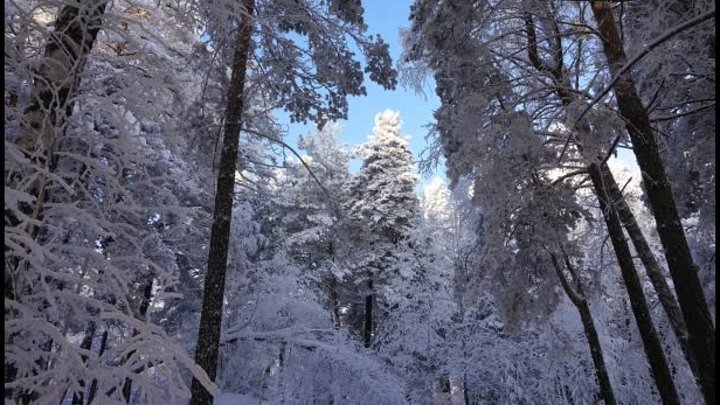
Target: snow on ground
x,y
236,399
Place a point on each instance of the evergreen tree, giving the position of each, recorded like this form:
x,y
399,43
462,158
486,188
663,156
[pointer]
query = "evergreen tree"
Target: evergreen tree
x,y
310,222
381,201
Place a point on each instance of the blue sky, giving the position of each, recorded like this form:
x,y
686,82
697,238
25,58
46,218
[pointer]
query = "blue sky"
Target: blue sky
x,y
385,18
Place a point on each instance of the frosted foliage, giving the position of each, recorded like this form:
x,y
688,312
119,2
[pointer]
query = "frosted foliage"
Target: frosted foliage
x,y
387,124
435,202
309,54
382,192
124,221
284,349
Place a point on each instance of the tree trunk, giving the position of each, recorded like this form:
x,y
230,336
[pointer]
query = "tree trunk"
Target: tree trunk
x,y
208,342
577,297
701,331
368,326
466,394
334,300
55,83
101,351
651,343
654,272
334,296
142,311
86,344
58,78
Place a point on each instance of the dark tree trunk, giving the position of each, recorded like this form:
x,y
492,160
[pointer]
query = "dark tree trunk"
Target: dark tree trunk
x,y
101,351
208,342
57,80
577,297
654,272
55,84
466,394
651,343
86,344
142,311
334,300
334,296
701,331
368,326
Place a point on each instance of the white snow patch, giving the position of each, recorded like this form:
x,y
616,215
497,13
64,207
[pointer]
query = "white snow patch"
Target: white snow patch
x,y
236,399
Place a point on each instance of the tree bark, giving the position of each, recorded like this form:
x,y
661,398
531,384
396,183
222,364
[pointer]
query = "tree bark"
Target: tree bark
x,y
334,301
101,351
86,344
652,268
691,298
55,83
142,311
334,295
58,77
651,342
577,297
208,342
368,326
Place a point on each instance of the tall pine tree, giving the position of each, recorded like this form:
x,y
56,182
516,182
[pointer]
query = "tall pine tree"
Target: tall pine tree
x,y
381,200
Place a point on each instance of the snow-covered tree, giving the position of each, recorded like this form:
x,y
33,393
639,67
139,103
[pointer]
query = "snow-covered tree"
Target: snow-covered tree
x,y
382,192
487,91
380,200
309,220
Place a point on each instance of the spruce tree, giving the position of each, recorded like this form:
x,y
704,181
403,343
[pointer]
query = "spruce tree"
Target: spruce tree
x,y
381,200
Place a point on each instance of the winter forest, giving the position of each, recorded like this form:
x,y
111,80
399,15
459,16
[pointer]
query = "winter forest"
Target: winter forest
x,y
168,242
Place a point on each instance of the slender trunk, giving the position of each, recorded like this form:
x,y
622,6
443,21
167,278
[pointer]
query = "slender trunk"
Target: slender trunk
x,y
281,366
101,351
334,296
334,302
654,272
701,331
651,342
578,298
368,326
466,394
86,344
142,311
208,342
